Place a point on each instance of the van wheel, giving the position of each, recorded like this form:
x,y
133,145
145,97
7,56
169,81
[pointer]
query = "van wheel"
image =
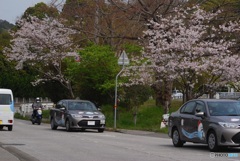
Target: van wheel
x,y
68,126
212,141
10,128
177,142
1,127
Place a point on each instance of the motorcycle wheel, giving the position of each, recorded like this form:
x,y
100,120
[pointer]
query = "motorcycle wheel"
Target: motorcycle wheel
x,y
32,119
39,121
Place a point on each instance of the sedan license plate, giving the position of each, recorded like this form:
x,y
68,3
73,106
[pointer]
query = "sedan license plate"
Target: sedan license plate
x,y
91,122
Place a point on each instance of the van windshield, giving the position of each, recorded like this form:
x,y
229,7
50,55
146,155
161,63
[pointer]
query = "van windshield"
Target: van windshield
x,y
5,99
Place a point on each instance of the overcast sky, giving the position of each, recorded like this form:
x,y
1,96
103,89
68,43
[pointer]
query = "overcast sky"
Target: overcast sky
x,y
10,10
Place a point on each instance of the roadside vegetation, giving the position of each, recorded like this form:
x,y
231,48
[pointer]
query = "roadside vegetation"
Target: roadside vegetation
x,y
149,116
191,46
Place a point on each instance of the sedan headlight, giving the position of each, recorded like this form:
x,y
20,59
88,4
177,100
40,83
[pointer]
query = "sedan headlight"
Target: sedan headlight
x,y
101,116
102,121
76,116
229,125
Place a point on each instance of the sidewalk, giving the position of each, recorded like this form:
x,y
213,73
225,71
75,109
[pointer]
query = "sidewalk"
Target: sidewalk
x,y
6,156
140,132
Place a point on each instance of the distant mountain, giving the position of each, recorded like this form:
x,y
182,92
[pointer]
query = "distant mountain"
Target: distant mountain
x,y
5,25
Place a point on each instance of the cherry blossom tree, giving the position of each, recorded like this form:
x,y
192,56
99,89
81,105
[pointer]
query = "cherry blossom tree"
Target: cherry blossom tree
x,y
191,48
44,44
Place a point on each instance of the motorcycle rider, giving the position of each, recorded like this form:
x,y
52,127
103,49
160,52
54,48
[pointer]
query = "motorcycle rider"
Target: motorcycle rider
x,y
37,104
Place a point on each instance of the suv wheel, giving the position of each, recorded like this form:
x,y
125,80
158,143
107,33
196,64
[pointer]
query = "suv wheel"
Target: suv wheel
x,y
212,141
177,142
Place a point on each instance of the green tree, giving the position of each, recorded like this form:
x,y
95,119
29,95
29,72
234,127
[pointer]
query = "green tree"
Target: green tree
x,y
94,75
41,10
134,96
4,26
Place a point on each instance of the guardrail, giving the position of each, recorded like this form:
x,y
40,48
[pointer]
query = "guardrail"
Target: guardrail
x,y
228,95
26,108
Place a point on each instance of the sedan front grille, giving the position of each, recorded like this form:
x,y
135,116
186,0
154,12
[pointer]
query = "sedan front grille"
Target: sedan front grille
x,y
90,116
236,138
84,123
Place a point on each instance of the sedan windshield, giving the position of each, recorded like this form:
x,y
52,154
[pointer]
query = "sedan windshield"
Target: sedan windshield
x,y
82,106
224,108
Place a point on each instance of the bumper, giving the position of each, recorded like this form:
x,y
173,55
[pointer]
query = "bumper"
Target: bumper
x,y
6,121
228,137
88,124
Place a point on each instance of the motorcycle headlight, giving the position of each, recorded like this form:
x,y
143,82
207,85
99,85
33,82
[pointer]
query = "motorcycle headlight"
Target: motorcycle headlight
x,y
76,116
229,125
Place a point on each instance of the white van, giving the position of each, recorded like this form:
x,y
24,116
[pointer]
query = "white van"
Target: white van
x,y
6,109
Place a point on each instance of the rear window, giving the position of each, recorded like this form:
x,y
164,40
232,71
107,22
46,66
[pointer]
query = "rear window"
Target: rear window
x,y
5,99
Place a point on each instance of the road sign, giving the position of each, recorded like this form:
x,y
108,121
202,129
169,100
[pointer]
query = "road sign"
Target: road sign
x,y
123,59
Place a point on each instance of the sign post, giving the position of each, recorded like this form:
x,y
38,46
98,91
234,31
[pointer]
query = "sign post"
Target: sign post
x,y
123,60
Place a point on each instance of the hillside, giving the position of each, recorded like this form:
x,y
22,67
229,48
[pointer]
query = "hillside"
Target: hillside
x,y
5,25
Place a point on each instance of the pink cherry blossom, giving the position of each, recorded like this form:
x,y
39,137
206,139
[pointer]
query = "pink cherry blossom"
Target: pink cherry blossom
x,y
186,48
46,42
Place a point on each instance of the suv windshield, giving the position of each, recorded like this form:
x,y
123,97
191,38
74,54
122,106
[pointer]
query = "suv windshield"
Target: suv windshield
x,y
224,108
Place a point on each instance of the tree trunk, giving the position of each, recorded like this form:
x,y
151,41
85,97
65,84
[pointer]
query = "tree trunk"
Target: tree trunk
x,y
135,111
163,93
189,93
69,87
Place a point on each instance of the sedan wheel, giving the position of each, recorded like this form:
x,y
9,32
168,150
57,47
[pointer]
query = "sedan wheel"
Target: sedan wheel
x,y
177,142
100,130
68,126
53,126
212,141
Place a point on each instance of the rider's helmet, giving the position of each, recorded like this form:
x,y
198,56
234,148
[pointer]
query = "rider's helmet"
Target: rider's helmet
x,y
38,99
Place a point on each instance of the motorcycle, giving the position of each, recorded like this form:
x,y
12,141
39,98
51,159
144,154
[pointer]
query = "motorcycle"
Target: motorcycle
x,y
37,118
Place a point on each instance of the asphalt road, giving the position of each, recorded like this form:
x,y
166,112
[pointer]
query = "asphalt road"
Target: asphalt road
x,y
29,142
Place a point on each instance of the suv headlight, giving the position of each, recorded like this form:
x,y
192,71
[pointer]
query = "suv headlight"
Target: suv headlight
x,y
229,125
76,116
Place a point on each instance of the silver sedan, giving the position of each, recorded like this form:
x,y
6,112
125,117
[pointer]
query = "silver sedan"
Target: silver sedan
x,y
210,121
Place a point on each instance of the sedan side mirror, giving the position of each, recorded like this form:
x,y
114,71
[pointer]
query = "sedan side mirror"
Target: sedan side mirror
x,y
63,109
200,114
